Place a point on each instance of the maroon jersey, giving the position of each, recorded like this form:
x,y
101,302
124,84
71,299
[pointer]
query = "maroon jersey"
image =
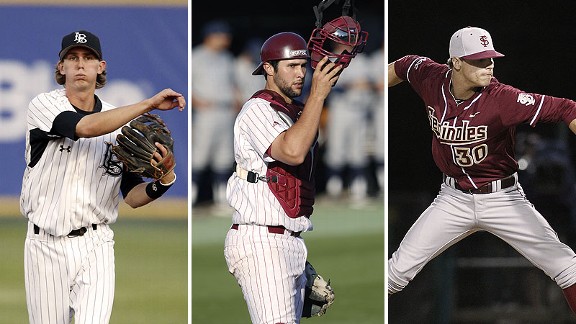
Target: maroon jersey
x,y
473,140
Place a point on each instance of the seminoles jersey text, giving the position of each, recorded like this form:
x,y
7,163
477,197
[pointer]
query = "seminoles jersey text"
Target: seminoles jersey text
x,y
473,139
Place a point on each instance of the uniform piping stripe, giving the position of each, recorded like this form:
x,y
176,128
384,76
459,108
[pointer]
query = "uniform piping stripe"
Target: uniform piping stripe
x,y
408,71
537,111
473,101
445,105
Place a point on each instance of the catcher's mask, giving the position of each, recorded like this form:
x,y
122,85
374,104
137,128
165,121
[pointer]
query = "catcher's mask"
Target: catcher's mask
x,y
282,46
340,39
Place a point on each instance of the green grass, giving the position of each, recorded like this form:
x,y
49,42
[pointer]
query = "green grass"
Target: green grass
x,y
12,293
151,271
346,246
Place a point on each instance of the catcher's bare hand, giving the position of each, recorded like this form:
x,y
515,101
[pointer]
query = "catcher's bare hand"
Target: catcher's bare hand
x,y
324,78
167,99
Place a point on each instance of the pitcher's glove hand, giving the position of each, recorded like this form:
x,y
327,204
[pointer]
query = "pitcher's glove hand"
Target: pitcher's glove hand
x,y
318,294
137,150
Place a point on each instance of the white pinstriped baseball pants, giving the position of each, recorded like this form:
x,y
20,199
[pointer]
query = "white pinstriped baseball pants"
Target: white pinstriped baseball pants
x,y
270,270
69,277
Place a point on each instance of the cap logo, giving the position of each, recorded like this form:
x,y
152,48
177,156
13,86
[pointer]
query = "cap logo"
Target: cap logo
x,y
484,40
80,38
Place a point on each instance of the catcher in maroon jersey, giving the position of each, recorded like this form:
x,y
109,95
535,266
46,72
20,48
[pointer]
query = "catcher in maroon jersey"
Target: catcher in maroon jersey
x,y
473,118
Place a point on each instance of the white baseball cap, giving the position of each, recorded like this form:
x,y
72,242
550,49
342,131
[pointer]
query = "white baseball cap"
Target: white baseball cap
x,y
472,43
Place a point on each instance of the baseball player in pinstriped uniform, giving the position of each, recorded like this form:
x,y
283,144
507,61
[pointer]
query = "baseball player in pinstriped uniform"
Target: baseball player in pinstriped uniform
x,y
272,191
264,249
473,119
71,187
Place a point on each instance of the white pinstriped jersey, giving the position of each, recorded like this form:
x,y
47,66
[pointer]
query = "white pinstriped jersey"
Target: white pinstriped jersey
x,y
256,127
72,184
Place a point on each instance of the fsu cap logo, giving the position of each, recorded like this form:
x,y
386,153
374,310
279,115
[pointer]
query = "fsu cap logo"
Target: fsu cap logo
x,y
484,40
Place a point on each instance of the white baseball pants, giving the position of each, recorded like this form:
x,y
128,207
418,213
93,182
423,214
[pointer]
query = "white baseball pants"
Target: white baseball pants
x,y
69,277
455,215
269,268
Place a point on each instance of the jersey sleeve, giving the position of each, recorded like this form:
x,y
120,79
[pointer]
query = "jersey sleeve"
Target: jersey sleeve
x,y
129,181
52,114
419,71
65,124
260,124
532,108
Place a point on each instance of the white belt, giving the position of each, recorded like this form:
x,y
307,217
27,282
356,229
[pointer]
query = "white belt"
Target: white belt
x,y
249,176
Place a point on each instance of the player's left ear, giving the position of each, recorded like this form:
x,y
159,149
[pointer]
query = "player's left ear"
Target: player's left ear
x,y
102,67
456,63
268,68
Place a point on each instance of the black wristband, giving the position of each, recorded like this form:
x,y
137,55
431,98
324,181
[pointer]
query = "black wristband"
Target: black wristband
x,y
156,189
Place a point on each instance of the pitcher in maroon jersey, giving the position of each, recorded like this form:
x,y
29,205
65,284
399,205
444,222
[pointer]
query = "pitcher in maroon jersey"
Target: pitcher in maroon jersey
x,y
473,118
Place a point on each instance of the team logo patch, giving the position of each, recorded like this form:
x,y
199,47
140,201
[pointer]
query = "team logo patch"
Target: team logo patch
x,y
112,166
418,62
526,99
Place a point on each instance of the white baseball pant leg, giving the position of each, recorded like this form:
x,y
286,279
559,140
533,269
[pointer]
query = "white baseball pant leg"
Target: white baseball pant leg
x,y
69,277
270,270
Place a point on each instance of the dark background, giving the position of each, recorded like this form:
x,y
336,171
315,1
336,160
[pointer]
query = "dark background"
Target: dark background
x,y
538,40
260,18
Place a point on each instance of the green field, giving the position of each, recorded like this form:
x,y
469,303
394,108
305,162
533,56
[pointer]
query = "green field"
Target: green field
x,y
346,246
151,271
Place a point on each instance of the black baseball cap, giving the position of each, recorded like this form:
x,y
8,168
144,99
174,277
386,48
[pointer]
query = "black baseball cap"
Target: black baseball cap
x,y
81,38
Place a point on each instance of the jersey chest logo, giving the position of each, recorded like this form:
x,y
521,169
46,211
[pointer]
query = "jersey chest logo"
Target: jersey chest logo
x,y
463,134
111,166
466,142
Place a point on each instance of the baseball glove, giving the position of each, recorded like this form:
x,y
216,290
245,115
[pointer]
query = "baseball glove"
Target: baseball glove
x,y
318,294
136,146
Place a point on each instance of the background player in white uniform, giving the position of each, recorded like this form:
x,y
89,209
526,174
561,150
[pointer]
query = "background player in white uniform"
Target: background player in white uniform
x,y
348,110
214,106
377,70
71,188
263,249
473,119
246,61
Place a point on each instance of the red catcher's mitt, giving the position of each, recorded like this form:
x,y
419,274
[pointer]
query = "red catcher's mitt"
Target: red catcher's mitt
x,y
136,146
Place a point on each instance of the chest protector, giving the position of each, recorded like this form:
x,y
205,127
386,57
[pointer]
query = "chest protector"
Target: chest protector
x,y
293,186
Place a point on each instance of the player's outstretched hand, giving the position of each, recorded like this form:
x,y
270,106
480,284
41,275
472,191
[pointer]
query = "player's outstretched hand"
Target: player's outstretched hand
x,y
167,99
324,78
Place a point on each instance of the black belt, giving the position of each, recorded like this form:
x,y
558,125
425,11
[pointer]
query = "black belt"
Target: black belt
x,y
487,188
274,230
74,233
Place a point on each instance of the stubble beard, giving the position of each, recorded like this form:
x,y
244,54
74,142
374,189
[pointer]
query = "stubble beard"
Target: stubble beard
x,y
286,89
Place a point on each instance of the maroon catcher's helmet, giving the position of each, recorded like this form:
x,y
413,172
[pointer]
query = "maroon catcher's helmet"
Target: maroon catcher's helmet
x,y
344,31
282,46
